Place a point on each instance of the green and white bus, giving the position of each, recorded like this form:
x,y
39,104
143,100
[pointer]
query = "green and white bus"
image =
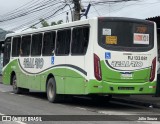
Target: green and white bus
x,y
99,56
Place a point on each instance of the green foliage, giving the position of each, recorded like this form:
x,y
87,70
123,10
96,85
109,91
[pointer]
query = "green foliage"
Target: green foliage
x,y
34,27
60,22
53,23
44,23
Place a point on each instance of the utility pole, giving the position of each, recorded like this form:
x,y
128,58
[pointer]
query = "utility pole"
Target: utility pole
x,y
76,11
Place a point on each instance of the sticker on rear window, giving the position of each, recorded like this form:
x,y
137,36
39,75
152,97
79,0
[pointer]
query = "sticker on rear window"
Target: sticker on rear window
x,y
111,39
106,31
141,38
141,29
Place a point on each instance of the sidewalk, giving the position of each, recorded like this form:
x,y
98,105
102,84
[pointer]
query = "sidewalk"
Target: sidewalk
x,y
143,100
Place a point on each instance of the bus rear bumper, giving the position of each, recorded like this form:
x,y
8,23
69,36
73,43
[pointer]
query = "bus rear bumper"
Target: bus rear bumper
x,y
103,87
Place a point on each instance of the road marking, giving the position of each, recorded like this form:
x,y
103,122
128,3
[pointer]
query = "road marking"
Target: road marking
x,y
81,108
113,113
20,95
149,122
2,91
19,122
1,114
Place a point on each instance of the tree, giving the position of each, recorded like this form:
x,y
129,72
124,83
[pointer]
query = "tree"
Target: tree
x,y
59,22
53,23
44,23
34,27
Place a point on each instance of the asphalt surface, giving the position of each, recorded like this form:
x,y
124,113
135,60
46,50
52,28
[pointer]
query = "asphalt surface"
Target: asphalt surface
x,y
36,103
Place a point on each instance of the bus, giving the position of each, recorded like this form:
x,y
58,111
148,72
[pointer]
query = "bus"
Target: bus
x,y
102,56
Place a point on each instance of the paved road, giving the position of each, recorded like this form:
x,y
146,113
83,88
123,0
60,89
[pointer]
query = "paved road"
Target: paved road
x,y
36,103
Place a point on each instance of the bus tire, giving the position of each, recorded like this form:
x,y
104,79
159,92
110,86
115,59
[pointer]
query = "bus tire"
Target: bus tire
x,y
51,91
16,89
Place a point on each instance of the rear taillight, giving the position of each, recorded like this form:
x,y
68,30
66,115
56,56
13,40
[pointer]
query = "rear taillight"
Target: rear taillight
x,y
153,70
97,68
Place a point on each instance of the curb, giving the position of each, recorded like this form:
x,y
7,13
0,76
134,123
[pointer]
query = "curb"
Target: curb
x,y
134,102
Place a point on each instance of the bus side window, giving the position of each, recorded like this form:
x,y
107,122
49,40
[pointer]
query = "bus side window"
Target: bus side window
x,y
16,46
48,43
36,44
25,45
63,42
80,39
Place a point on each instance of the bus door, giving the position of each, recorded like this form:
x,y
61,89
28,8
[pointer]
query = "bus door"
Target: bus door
x,y
6,59
7,50
62,50
1,56
74,83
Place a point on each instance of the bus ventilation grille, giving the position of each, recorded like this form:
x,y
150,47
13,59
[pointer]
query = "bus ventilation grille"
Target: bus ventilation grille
x,y
125,88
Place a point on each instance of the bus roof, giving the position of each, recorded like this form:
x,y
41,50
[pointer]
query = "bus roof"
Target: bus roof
x,y
65,25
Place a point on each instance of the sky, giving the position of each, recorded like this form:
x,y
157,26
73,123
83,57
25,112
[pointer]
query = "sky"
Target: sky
x,y
136,9
8,5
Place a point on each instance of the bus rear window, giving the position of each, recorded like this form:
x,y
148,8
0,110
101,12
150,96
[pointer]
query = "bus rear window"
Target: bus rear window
x,y
126,35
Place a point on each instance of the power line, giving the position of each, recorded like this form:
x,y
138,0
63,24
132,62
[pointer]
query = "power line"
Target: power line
x,y
128,6
26,18
48,16
15,10
96,11
31,22
44,17
38,11
48,13
116,9
18,10
41,7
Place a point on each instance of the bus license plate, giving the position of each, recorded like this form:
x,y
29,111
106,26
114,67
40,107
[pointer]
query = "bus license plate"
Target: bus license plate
x,y
126,75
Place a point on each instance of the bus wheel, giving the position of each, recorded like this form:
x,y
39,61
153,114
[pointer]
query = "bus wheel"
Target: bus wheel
x,y
51,91
16,89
